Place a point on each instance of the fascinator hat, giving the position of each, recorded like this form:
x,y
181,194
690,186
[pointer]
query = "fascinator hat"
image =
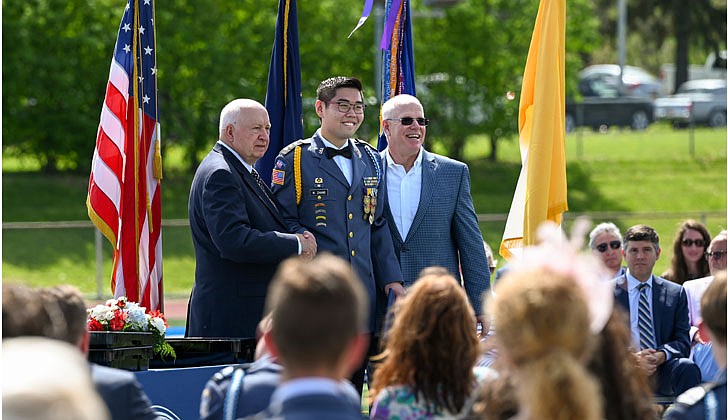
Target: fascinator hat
x,y
557,253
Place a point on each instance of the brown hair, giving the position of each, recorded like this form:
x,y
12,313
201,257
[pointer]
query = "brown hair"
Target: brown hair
x,y
65,304
432,345
678,271
542,326
713,307
317,307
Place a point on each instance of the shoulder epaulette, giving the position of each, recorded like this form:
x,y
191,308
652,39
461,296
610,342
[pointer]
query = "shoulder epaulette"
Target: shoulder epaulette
x,y
286,150
223,374
364,143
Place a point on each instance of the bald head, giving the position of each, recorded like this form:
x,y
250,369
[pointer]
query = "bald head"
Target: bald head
x,y
717,253
235,110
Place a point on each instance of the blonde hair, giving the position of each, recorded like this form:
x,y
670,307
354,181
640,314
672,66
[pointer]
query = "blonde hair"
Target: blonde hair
x,y
542,322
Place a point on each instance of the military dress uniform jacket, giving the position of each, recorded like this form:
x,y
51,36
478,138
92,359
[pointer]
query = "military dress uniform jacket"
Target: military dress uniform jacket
x,y
347,220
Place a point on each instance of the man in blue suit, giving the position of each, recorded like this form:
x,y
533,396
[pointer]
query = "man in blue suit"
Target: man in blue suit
x,y
658,312
429,207
237,231
330,185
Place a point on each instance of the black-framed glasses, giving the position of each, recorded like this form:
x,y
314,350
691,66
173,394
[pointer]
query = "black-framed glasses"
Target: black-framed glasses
x,y
611,244
690,242
346,106
409,121
716,255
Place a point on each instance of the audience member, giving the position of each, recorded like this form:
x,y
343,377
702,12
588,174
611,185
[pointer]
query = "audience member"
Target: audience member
x,y
708,401
702,350
429,354
319,314
23,312
46,379
605,241
543,332
658,315
238,233
688,249
429,208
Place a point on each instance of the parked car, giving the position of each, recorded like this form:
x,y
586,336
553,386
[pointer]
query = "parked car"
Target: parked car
x,y
606,102
696,101
637,81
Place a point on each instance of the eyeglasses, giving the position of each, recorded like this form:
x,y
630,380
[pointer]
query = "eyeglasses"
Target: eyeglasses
x,y
346,106
690,242
612,244
716,255
409,120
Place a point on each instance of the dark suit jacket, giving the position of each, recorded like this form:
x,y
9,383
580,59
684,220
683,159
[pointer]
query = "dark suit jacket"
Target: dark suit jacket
x,y
239,241
445,229
122,394
314,407
669,314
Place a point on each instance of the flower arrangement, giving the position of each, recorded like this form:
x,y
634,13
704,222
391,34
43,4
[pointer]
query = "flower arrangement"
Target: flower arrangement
x,y
122,315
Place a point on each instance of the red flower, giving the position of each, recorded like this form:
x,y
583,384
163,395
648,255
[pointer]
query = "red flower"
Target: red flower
x,y
94,325
117,323
158,314
121,302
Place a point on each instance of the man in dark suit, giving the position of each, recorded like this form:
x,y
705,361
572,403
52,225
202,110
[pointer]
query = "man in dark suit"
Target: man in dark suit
x,y
429,207
237,231
330,184
319,313
658,315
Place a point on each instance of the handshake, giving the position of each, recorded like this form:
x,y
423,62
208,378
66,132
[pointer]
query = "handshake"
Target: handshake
x,y
308,245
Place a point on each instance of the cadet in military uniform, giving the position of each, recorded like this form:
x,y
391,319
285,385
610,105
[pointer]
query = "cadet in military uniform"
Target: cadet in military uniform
x,y
329,185
708,401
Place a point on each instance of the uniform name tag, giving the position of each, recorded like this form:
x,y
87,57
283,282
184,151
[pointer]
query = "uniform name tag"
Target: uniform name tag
x,y
321,191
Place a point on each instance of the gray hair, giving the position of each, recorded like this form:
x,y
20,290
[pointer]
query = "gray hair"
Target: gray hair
x,y
402,99
607,227
231,112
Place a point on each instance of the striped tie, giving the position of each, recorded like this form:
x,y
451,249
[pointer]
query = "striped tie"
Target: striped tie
x,y
644,322
261,185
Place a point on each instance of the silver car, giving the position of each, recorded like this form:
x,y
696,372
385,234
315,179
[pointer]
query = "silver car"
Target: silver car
x,y
696,101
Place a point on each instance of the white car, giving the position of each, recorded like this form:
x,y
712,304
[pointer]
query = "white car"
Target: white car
x,y
697,102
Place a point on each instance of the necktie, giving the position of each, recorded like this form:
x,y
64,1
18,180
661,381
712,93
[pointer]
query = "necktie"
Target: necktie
x,y
261,184
644,320
345,152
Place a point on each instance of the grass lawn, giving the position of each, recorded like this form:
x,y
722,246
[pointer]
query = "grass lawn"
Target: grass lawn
x,y
648,177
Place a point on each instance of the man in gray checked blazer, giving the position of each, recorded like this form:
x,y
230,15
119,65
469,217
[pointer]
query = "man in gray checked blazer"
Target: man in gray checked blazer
x,y
429,207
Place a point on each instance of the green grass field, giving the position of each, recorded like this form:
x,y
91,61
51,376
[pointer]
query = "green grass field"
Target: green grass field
x,y
626,177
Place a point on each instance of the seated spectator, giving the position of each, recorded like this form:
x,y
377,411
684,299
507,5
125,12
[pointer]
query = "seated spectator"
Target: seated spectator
x,y
429,353
708,401
688,249
249,385
46,379
319,314
658,313
63,311
702,350
605,241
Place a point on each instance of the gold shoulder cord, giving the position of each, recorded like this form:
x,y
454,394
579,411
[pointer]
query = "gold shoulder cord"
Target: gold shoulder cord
x,y
297,172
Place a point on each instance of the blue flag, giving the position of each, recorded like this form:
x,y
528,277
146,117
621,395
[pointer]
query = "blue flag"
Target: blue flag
x,y
283,98
398,56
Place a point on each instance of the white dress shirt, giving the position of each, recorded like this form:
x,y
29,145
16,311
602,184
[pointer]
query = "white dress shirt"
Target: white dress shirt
x,y
343,163
403,192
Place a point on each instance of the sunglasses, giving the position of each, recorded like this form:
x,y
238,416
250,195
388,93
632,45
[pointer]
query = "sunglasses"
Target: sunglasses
x,y
690,242
409,120
612,244
716,255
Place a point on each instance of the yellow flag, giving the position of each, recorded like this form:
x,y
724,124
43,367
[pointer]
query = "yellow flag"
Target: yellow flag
x,y
541,190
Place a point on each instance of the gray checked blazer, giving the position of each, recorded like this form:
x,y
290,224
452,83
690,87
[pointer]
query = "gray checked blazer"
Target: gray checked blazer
x,y
445,229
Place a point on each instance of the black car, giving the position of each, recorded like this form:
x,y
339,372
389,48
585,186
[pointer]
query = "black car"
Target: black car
x,y
607,103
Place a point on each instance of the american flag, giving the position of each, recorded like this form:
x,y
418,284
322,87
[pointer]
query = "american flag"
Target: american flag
x,y
124,194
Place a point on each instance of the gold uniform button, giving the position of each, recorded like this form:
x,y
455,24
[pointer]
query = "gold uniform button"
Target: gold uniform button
x,y
351,216
351,234
353,253
349,198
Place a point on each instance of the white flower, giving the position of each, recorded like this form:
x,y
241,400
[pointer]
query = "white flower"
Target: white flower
x,y
158,324
136,315
102,313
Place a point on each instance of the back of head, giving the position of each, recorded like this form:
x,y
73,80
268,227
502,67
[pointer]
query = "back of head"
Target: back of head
x,y
542,323
46,379
713,307
432,345
327,89
317,307
23,312
67,308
